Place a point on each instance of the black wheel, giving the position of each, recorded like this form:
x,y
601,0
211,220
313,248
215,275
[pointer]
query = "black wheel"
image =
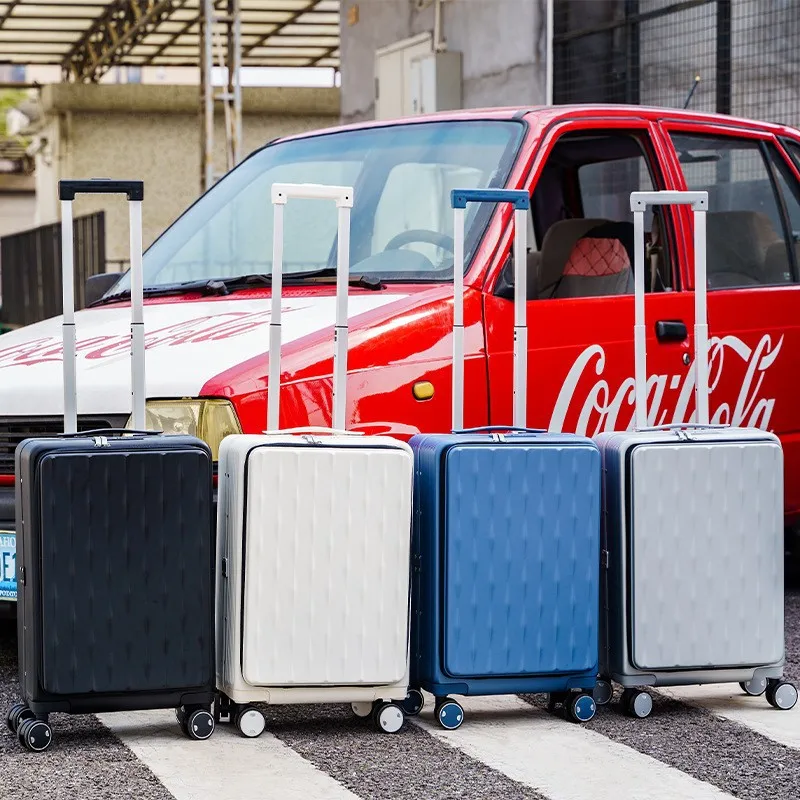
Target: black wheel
x,y
199,724
754,687
603,692
636,703
782,695
449,714
580,707
37,735
250,722
16,714
413,703
388,717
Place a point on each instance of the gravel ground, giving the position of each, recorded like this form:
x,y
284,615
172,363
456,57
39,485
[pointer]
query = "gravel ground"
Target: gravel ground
x,y
409,764
730,756
89,762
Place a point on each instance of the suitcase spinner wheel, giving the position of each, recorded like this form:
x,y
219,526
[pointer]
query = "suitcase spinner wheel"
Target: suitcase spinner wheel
x,y
636,703
449,713
388,717
35,735
781,695
251,722
413,703
755,687
576,706
16,715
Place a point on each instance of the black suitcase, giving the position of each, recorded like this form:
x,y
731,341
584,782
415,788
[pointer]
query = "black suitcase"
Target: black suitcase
x,y
115,552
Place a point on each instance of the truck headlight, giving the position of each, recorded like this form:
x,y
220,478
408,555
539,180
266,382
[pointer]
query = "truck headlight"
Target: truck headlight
x,y
209,420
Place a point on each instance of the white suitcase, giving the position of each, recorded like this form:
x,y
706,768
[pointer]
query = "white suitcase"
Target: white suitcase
x,y
313,544
693,533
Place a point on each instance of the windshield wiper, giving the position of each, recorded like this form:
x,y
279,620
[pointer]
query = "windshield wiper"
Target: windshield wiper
x,y
225,286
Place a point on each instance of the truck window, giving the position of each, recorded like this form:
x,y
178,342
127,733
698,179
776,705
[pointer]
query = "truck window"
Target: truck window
x,y
582,218
747,231
401,225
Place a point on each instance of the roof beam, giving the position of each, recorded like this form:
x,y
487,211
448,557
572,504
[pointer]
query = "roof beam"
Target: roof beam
x,y
113,35
9,8
280,26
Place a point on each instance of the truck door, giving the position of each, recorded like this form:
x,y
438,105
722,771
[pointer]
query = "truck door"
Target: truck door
x,y
753,292
580,287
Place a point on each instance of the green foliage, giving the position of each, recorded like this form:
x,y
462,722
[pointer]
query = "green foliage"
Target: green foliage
x,y
8,99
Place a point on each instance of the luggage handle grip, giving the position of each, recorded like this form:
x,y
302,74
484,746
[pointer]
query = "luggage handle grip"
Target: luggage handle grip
x,y
489,428
281,193
107,431
699,203
67,189
314,429
134,190
685,425
520,199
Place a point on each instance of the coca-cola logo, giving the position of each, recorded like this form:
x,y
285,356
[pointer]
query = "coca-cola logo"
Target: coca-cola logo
x,y
599,408
194,331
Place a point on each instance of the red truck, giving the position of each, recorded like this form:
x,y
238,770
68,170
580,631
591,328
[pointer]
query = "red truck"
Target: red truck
x,y
207,279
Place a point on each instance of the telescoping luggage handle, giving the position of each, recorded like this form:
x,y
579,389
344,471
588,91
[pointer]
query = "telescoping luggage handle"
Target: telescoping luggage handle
x,y
134,190
699,203
343,197
520,199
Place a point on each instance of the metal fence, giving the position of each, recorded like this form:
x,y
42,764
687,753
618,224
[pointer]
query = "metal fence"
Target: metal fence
x,y
30,269
745,54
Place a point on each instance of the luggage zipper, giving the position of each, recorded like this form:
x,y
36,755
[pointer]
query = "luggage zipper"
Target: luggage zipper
x,y
498,437
100,441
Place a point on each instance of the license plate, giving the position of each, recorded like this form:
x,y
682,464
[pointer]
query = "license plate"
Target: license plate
x,y
8,566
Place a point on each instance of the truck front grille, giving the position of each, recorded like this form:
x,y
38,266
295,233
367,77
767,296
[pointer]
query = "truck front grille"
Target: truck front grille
x,y
14,429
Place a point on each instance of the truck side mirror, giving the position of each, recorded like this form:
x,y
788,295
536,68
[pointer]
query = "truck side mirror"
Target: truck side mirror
x,y
98,285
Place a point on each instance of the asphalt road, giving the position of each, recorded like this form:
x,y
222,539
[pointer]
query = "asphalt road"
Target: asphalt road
x,y
710,742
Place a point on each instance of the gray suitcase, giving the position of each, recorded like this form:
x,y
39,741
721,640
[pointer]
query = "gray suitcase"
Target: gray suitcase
x,y
693,580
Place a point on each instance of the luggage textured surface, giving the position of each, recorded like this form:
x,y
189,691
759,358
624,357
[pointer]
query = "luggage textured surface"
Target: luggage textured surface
x,y
326,580
118,591
509,538
705,569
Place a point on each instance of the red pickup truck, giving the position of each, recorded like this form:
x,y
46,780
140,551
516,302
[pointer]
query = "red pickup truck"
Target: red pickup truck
x,y
207,280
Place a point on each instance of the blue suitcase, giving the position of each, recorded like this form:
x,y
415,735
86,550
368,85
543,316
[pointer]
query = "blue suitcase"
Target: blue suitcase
x,y
506,546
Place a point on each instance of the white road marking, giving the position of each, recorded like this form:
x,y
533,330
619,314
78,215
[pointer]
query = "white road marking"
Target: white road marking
x,y
558,758
226,767
727,700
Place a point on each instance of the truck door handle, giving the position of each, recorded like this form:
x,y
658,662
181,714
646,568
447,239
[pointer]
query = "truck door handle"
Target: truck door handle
x,y
671,330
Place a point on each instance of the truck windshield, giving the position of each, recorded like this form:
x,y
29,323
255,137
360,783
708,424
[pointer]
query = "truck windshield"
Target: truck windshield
x,y
401,223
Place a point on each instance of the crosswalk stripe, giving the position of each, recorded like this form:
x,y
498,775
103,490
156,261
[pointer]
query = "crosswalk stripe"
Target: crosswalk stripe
x,y
562,760
226,767
728,701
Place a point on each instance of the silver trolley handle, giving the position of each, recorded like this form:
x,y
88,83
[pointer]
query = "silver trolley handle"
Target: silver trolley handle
x,y
520,199
134,190
343,197
699,203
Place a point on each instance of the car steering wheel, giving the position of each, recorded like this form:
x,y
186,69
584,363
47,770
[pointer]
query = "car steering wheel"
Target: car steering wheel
x,y
421,235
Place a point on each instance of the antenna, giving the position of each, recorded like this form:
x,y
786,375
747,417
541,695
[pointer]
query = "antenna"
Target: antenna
x,y
691,91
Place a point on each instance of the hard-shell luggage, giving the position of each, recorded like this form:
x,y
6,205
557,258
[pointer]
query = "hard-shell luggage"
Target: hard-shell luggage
x,y
314,538
693,538
506,540
115,559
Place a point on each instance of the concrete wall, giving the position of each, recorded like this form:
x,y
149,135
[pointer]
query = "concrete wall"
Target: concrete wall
x,y
152,133
17,203
502,42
